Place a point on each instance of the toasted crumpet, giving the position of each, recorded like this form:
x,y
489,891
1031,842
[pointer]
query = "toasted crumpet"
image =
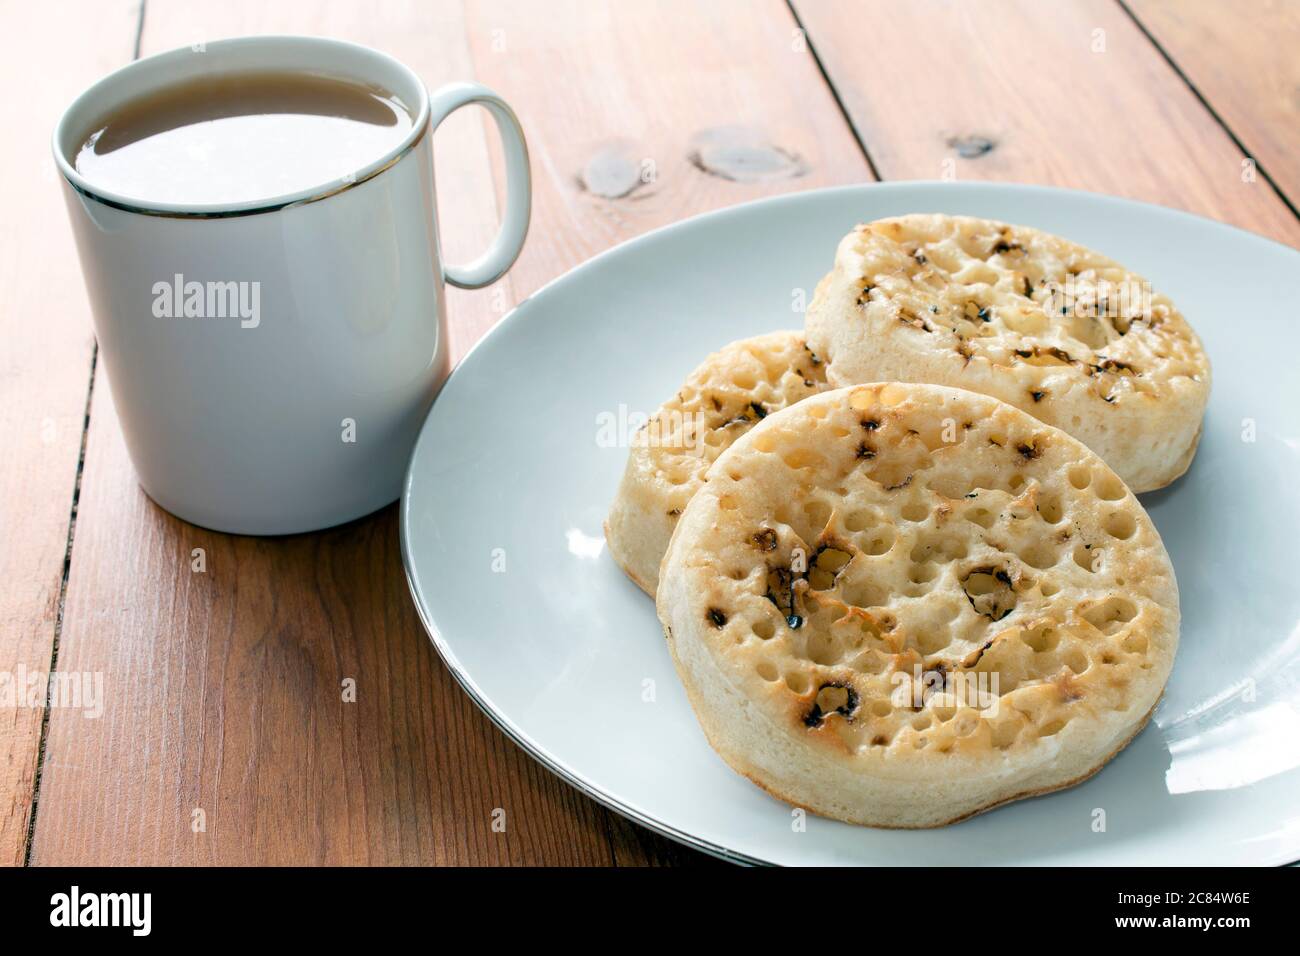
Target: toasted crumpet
x,y
901,604
1056,329
726,396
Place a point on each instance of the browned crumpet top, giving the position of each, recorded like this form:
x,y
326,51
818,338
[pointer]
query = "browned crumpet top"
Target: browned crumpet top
x,y
861,563
1054,328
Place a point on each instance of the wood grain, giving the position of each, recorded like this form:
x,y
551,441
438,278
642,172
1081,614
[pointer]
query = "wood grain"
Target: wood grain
x,y
45,359
224,686
1068,94
1245,60
645,81
642,83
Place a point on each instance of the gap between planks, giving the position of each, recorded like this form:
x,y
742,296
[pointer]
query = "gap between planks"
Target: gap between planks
x,y
835,93
1209,108
67,551
855,132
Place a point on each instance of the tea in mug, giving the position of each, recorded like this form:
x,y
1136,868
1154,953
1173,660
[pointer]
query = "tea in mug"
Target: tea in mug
x,y
241,137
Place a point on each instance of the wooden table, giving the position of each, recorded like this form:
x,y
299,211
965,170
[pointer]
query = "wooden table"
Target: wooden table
x,y
224,738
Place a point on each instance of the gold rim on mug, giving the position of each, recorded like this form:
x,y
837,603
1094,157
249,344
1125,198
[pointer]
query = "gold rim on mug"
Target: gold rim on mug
x,y
420,115
326,193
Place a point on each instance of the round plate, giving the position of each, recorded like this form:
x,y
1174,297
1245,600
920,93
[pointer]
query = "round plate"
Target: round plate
x,y
522,452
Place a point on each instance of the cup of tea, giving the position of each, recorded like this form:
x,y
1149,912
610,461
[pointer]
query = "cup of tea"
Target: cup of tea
x,y
258,229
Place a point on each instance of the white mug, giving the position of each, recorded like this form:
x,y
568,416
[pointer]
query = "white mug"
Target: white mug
x,y
271,362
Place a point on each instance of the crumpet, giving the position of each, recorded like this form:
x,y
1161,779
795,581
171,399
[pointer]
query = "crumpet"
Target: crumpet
x,y
900,605
731,391
1056,329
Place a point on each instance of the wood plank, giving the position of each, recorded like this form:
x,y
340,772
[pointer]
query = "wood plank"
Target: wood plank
x,y
1245,61
45,361
601,88
223,694
223,686
608,86
1067,94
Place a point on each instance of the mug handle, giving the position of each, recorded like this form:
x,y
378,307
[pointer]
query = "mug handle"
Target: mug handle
x,y
505,248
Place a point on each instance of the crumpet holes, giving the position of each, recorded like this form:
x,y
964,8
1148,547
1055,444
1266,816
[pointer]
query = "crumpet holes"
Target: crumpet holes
x,y
1041,638
858,521
922,573
892,474
1088,558
1120,524
832,698
1039,556
989,591
818,512
820,580
1111,615
1110,488
1049,508
892,395
880,543
823,650
915,511
826,566
843,617
946,548
803,458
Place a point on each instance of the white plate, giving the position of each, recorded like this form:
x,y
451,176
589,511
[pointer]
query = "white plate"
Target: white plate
x,y
510,481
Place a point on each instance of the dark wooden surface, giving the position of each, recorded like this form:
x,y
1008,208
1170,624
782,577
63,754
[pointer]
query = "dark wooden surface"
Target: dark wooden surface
x,y
222,688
